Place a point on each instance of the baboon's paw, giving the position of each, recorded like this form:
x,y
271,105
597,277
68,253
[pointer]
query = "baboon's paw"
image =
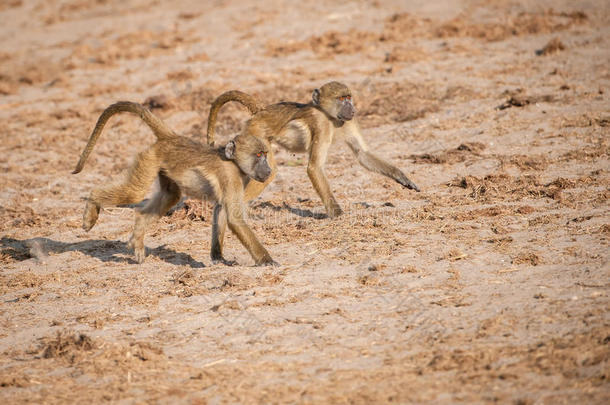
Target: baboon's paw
x,y
225,262
140,254
90,215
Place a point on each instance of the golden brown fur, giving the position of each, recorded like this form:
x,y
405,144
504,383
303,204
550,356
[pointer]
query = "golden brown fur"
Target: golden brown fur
x,y
183,166
309,128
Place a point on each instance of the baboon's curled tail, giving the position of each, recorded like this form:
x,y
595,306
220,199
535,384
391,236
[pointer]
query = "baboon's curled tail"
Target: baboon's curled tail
x,y
250,102
159,128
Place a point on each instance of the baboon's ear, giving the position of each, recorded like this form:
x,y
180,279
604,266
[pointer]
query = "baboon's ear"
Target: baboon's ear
x,y
230,150
315,97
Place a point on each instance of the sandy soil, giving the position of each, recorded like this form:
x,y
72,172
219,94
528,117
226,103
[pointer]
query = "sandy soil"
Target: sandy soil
x,y
491,285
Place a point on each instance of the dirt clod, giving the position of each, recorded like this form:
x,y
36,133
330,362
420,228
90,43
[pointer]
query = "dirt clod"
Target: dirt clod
x,y
553,46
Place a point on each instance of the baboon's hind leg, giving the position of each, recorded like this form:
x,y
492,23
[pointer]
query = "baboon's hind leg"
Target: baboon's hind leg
x,y
131,190
167,196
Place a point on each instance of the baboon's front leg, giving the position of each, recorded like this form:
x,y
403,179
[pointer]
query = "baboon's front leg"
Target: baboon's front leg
x,y
238,226
371,162
315,171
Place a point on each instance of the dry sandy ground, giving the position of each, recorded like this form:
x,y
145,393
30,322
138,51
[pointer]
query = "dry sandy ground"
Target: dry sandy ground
x,y
491,285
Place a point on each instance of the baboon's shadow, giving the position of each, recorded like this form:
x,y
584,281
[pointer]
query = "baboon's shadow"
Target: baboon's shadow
x,y
104,250
296,211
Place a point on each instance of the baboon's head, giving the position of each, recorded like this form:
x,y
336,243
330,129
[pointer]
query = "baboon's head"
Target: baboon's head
x,y
336,100
250,154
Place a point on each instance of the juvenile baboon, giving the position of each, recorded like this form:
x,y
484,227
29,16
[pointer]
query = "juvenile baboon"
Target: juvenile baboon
x,y
183,166
308,128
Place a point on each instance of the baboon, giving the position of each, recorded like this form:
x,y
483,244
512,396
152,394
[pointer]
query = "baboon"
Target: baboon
x,y
183,166
308,128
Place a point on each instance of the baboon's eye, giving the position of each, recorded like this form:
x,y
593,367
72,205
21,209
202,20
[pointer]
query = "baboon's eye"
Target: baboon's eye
x,y
341,98
259,154
349,98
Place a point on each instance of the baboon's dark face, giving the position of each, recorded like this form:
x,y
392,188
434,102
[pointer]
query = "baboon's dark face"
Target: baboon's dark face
x,y
345,107
336,99
250,154
261,168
